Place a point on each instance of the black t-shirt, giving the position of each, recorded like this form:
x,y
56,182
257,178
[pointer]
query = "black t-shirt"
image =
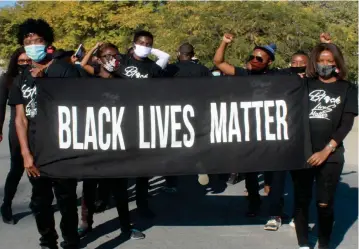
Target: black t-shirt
x,y
187,69
130,68
23,90
327,103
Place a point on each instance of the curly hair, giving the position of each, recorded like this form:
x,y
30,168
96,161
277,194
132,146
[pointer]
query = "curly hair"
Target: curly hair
x,y
36,26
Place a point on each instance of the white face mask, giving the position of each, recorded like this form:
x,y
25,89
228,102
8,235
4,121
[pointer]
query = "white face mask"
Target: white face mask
x,y
142,51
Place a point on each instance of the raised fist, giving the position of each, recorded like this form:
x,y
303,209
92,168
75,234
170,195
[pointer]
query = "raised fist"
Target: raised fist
x,y
227,38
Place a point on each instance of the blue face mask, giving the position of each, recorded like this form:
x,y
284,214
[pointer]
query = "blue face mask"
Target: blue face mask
x,y
36,52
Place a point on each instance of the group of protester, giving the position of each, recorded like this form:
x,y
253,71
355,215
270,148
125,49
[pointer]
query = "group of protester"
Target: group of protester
x,y
324,69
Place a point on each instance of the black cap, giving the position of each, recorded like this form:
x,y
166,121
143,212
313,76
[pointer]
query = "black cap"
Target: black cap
x,y
186,48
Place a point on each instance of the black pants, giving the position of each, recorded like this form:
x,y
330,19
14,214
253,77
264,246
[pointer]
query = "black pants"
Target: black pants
x,y
16,167
118,188
171,181
142,192
276,201
43,190
327,177
252,185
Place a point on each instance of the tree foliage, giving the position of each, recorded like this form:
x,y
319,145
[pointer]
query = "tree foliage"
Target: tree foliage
x,y
291,25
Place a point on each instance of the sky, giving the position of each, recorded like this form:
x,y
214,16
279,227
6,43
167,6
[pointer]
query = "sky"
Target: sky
x,y
6,3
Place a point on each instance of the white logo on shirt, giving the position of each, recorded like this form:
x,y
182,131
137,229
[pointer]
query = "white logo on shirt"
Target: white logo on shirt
x,y
325,104
132,72
29,93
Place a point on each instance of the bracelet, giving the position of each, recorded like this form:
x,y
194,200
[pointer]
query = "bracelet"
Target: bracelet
x,y
331,147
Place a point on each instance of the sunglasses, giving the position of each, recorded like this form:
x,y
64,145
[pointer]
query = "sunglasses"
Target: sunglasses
x,y
24,61
258,58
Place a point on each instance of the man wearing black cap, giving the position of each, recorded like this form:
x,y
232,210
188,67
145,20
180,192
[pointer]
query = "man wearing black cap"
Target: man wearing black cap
x,y
185,67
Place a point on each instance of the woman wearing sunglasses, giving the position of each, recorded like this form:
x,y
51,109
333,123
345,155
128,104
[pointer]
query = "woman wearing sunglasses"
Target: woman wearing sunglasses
x,y
18,62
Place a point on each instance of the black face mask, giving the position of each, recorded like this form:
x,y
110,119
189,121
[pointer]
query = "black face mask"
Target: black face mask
x,y
297,70
21,68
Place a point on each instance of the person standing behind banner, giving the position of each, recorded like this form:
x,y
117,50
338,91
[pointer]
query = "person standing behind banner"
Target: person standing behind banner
x,y
35,35
106,54
185,67
18,62
258,63
138,66
329,125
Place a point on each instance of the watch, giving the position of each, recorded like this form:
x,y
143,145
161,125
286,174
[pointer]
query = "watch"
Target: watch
x,y
331,147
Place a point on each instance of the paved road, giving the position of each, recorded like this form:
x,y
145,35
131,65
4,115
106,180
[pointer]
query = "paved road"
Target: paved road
x,y
195,218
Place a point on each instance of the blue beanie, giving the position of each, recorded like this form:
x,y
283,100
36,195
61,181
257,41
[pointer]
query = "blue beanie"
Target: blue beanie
x,y
269,49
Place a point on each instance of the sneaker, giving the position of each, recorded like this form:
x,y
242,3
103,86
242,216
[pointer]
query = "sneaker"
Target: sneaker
x,y
169,190
203,179
83,231
134,234
233,179
6,213
304,247
291,223
273,224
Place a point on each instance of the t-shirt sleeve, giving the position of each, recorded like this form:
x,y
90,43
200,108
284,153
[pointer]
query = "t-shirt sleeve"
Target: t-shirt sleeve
x,y
15,94
351,101
158,72
238,71
71,72
205,72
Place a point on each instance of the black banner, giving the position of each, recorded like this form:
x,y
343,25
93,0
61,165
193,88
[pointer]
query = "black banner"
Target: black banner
x,y
90,128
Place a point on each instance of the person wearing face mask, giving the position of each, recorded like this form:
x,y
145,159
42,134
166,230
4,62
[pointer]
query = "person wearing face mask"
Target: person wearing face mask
x,y
298,64
137,65
333,105
19,61
35,35
107,54
258,63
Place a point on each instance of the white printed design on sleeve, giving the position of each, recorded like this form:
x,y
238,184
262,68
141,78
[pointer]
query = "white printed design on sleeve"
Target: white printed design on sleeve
x,y
324,104
29,94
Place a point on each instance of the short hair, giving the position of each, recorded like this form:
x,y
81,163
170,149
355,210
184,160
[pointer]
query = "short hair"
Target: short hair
x,y
300,52
144,33
105,46
338,58
36,26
